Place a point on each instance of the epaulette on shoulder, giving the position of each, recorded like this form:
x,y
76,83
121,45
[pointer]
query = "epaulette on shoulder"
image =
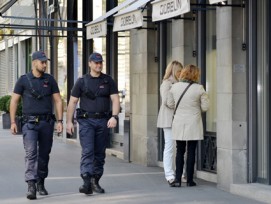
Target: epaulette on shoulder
x,y
82,77
47,75
22,76
105,75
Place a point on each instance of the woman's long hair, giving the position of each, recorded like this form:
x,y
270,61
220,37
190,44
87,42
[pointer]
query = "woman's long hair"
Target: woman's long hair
x,y
172,70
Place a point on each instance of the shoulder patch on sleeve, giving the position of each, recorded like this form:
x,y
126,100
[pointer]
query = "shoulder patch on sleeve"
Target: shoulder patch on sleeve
x,y
22,76
47,75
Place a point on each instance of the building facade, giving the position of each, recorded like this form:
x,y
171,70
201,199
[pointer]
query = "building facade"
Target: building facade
x,y
229,41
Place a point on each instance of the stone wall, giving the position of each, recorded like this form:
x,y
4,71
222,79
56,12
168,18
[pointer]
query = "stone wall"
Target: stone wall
x,y
231,99
144,96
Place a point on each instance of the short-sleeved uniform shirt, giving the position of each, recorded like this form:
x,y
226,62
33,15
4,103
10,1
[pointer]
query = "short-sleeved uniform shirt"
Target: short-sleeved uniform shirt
x,y
45,86
102,87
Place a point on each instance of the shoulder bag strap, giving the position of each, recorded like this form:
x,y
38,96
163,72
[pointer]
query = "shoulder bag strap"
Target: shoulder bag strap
x,y
85,83
29,80
181,97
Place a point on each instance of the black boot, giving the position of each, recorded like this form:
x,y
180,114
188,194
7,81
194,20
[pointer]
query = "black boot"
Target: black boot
x,y
40,187
86,187
31,194
191,183
94,180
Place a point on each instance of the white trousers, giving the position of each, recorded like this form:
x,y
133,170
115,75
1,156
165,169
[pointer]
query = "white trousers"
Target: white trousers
x,y
168,154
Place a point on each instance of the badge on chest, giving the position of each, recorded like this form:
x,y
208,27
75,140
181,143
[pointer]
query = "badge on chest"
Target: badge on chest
x,y
45,83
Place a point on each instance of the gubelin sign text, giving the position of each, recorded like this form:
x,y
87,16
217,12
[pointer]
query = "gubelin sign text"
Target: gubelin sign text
x,y
169,8
128,21
96,30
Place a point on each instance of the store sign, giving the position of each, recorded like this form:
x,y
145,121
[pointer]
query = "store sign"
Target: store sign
x,y
169,8
214,1
128,21
96,30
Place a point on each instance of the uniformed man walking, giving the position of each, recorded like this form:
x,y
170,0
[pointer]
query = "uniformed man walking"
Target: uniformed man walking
x,y
95,91
38,90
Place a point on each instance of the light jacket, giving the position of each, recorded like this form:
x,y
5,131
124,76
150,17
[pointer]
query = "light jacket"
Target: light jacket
x,y
164,119
187,123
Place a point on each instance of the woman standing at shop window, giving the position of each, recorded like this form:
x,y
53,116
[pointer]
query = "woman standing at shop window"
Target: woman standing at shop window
x,y
164,120
187,127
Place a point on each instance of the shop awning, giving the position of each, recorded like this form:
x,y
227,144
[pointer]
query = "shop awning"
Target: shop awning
x,y
130,17
214,1
98,27
7,6
165,9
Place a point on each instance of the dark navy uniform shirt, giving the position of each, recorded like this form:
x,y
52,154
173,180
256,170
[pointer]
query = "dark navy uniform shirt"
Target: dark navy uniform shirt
x,y
102,87
44,85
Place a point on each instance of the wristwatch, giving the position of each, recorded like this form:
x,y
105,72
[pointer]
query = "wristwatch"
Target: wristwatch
x,y
115,116
60,121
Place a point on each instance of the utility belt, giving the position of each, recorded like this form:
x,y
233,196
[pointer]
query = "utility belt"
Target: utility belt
x,y
96,115
37,118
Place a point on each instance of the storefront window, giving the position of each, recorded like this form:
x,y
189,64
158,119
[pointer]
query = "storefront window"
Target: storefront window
x,y
99,44
123,75
61,69
169,43
262,92
123,59
211,82
207,63
80,39
28,51
124,70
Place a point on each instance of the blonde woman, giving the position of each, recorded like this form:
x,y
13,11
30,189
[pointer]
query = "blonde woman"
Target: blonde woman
x,y
164,120
187,127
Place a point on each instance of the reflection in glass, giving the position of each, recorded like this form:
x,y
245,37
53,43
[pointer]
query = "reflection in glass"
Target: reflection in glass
x,y
262,91
211,82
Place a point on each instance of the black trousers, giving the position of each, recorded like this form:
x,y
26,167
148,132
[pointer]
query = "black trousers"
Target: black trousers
x,y
190,162
38,141
93,136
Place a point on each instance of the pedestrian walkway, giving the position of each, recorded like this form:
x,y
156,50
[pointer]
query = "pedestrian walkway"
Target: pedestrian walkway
x,y
124,182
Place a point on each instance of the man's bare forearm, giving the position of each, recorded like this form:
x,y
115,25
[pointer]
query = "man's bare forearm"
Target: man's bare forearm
x,y
71,108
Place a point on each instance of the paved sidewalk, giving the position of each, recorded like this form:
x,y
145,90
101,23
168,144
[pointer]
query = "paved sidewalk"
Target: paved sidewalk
x,y
124,182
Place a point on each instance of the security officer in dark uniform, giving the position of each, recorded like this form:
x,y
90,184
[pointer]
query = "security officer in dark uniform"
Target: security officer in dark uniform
x,y
95,91
38,91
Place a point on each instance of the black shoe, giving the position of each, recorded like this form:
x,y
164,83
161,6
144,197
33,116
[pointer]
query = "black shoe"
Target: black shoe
x,y
95,185
31,194
86,187
190,184
174,183
40,187
178,183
